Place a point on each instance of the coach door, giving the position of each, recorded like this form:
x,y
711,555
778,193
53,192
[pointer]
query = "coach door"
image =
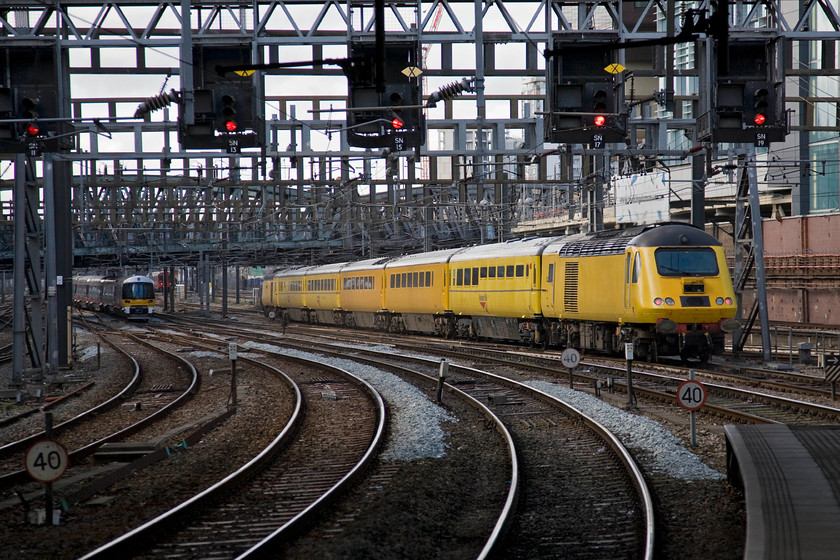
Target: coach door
x,y
628,274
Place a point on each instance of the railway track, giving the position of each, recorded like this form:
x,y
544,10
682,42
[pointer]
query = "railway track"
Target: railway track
x,y
108,421
746,399
579,472
253,507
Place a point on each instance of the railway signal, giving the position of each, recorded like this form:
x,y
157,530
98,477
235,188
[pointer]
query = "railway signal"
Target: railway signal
x,y
385,100
746,104
583,96
225,113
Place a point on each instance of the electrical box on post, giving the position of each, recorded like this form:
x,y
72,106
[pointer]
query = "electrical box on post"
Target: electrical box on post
x,y
385,98
225,107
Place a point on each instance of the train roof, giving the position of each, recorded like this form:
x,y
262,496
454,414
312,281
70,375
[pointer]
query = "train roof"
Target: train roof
x,y
368,264
286,272
612,242
139,278
529,246
326,269
433,257
103,278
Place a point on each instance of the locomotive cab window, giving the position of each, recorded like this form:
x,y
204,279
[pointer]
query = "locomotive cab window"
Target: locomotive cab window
x,y
138,290
701,261
637,268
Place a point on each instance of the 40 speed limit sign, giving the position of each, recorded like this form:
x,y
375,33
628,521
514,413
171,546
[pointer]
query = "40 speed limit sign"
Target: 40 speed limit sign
x,y
46,461
691,395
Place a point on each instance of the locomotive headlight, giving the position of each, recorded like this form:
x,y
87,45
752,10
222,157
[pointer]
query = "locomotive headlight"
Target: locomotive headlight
x,y
719,301
669,301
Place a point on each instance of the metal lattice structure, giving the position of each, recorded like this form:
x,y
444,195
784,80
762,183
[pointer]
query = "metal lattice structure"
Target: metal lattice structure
x,y
137,197
308,187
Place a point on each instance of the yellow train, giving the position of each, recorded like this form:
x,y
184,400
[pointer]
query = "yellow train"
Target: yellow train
x,y
665,288
132,297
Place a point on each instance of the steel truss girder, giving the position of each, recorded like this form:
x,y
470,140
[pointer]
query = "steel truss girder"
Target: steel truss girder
x,y
273,24
84,22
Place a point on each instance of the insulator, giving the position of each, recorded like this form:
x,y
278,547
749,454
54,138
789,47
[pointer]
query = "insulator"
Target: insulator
x,y
155,103
449,91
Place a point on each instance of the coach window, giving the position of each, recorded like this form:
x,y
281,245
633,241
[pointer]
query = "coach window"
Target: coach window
x,y
421,279
483,272
491,272
509,271
414,280
520,270
459,278
467,277
475,276
428,277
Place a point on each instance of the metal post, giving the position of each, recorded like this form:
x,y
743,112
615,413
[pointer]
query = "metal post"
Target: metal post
x,y
628,354
48,490
224,288
693,416
19,282
232,349
51,265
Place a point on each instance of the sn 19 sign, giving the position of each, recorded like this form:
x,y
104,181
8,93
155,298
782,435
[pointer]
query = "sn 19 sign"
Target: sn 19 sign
x,y
691,395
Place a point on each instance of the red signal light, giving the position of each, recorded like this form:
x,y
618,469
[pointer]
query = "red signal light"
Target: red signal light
x,y
230,126
600,120
32,129
759,119
396,123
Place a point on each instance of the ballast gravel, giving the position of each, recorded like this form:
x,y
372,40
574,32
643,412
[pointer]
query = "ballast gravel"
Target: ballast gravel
x,y
415,422
417,432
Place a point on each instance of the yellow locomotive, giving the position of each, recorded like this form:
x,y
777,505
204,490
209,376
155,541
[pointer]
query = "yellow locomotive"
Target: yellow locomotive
x,y
665,288
132,297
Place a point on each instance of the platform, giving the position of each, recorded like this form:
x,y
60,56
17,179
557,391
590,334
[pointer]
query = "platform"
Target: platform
x,y
791,481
